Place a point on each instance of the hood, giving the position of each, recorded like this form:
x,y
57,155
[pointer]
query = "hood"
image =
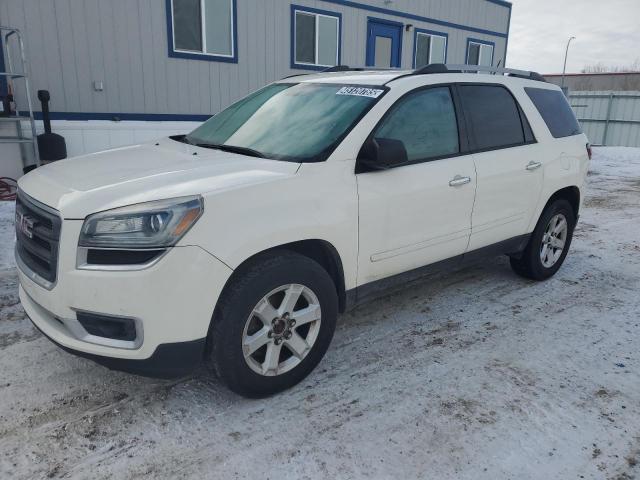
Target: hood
x,y
100,181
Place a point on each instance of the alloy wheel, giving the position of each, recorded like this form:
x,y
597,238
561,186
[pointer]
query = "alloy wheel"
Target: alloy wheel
x,y
281,330
554,240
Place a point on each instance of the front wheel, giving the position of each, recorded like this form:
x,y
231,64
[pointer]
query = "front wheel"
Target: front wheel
x,y
274,323
549,243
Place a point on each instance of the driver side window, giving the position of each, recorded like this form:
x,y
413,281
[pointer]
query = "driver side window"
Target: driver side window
x,y
425,122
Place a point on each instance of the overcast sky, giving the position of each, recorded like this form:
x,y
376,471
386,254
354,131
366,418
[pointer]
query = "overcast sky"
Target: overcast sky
x,y
606,31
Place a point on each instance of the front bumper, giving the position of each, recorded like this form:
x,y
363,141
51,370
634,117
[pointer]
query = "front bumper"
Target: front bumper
x,y
172,301
169,360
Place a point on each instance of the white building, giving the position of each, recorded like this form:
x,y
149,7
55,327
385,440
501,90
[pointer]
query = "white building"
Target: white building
x,y
122,71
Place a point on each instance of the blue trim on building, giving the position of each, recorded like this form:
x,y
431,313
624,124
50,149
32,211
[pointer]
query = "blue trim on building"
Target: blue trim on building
x,y
329,13
369,51
3,80
208,57
482,42
429,32
419,18
114,117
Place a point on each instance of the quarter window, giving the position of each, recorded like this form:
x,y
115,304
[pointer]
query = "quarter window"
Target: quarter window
x,y
555,111
204,27
493,115
316,38
479,53
430,47
425,121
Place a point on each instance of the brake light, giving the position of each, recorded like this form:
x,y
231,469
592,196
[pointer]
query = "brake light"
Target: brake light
x,y
589,150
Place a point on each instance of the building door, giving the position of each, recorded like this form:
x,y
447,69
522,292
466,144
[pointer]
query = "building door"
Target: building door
x,y
384,43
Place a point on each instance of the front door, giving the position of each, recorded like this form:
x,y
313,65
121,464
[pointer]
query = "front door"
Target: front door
x,y
384,44
419,213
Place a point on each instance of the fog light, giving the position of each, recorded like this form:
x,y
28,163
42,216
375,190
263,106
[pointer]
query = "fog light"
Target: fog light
x,y
116,328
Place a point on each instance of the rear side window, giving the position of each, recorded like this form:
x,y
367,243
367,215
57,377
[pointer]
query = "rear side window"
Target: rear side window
x,y
425,121
493,115
555,111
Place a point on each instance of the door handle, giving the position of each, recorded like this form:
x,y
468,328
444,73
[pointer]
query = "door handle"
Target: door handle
x,y
533,166
459,180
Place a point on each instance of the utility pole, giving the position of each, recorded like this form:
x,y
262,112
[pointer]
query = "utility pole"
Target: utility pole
x,y
564,68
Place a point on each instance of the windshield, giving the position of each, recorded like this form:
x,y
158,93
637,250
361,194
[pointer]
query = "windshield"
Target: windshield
x,y
301,122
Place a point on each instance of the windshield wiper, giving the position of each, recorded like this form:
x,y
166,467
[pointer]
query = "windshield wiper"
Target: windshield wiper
x,y
232,148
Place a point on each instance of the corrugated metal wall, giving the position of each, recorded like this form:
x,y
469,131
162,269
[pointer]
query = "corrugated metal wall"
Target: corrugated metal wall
x,y
579,82
609,118
123,43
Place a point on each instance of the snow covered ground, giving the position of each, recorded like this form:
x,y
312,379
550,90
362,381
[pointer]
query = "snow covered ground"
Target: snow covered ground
x,y
477,374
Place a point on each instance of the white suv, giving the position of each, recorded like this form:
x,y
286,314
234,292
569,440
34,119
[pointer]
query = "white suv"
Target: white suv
x,y
240,242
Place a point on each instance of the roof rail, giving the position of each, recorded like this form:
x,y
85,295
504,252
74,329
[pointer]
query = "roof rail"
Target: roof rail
x,y
347,68
489,69
442,68
432,68
436,68
341,68
295,75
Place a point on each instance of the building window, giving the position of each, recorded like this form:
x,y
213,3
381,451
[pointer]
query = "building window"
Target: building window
x,y
430,47
479,52
315,38
203,29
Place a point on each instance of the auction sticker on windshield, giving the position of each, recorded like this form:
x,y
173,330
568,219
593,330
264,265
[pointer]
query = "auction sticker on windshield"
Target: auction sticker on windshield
x,y
360,92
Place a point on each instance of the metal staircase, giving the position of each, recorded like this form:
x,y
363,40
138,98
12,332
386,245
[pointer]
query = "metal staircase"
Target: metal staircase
x,y
10,34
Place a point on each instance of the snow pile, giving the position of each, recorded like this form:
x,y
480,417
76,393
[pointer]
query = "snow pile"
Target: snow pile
x,y
616,161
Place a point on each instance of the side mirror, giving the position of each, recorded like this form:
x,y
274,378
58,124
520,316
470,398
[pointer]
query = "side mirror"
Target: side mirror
x,y
381,154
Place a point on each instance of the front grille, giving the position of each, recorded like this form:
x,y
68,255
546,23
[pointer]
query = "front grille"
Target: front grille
x,y
37,237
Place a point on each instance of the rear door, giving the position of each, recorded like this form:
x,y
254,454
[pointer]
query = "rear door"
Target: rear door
x,y
419,213
507,162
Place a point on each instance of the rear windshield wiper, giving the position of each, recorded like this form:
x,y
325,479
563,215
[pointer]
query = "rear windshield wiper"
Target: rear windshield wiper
x,y
232,148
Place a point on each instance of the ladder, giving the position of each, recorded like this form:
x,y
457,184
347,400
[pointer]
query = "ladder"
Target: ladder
x,y
10,76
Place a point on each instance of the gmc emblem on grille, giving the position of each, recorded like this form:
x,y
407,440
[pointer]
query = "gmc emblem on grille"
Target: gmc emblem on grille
x,y
25,224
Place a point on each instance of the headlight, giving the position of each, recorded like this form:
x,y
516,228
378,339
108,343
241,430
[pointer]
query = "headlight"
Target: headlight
x,y
144,225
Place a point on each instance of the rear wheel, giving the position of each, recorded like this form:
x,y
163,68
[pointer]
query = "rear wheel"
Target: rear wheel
x,y
549,242
274,323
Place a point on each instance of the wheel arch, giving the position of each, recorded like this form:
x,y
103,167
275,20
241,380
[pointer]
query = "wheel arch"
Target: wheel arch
x,y
328,257
321,251
570,194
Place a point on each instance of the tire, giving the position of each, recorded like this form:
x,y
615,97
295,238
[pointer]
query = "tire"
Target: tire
x,y
537,264
256,293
